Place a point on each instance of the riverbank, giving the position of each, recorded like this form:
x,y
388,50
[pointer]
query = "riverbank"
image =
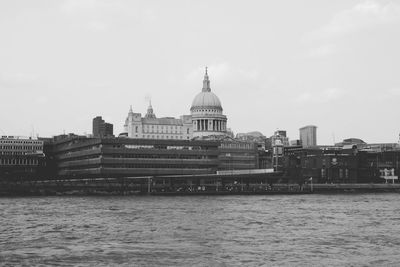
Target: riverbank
x,y
357,188
209,190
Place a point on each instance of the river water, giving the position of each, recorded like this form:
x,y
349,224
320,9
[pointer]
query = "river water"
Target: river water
x,y
278,230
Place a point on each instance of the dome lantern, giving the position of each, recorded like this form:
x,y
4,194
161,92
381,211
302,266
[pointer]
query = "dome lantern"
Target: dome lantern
x,y
206,99
206,83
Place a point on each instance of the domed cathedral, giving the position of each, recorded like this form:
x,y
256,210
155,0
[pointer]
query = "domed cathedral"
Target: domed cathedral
x,y
206,120
206,111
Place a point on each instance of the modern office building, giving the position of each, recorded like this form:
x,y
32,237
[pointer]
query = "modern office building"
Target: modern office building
x,y
296,142
20,157
238,155
102,128
81,157
308,136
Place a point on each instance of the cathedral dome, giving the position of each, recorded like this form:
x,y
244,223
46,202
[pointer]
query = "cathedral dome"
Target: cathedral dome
x,y
206,98
206,113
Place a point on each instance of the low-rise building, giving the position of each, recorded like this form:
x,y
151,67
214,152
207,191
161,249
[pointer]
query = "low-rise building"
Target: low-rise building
x,y
346,164
238,155
82,157
20,157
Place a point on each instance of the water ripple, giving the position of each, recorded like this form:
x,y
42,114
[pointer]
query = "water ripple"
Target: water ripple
x,y
303,230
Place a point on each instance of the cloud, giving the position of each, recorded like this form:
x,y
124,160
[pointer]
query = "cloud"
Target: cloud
x,y
362,16
394,91
73,7
40,100
148,15
93,15
365,15
324,96
13,80
224,72
322,51
97,26
101,15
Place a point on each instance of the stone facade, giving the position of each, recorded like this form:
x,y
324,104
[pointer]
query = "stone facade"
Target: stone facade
x,y
206,119
151,127
206,112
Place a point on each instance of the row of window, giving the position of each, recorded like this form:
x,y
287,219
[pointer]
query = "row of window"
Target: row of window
x,y
21,147
156,131
161,137
341,172
237,146
162,127
136,166
207,110
31,142
13,153
162,130
80,149
161,147
170,156
150,166
18,161
158,146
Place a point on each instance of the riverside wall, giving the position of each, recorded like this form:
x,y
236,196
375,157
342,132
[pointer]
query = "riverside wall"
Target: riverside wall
x,y
145,187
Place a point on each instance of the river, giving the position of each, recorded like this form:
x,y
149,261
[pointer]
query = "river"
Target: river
x,y
276,230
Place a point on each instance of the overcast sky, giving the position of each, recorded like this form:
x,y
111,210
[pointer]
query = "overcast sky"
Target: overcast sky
x,y
273,64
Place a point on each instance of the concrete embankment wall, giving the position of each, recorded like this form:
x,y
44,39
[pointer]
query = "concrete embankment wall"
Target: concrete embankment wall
x,y
338,188
122,188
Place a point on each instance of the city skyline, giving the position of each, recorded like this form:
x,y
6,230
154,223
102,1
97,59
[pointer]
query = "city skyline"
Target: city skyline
x,y
63,63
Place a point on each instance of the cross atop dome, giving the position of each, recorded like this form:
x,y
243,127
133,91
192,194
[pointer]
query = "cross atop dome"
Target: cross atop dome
x,y
206,82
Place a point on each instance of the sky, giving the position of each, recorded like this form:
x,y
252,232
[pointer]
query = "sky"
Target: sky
x,y
273,64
